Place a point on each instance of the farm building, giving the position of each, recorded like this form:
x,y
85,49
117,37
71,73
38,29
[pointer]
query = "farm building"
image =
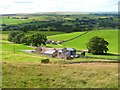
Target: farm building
x,y
63,53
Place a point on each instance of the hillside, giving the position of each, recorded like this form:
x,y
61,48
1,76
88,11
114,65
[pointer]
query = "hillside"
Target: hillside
x,y
80,43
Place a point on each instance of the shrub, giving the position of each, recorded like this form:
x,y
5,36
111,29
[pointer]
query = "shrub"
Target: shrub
x,y
45,61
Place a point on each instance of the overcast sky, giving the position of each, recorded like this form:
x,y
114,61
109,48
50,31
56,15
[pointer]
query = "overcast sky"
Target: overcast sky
x,y
33,6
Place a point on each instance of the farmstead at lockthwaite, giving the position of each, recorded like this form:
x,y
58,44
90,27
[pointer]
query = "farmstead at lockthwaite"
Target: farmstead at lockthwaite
x,y
60,50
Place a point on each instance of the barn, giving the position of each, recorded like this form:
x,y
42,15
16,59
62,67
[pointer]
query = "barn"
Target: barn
x,y
63,53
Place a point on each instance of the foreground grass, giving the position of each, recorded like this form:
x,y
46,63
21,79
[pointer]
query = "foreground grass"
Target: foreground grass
x,y
36,75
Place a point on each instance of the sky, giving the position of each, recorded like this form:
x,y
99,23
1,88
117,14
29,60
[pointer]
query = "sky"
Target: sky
x,y
36,6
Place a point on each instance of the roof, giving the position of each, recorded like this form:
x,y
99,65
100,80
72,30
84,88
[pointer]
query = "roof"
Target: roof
x,y
70,49
49,52
60,51
67,53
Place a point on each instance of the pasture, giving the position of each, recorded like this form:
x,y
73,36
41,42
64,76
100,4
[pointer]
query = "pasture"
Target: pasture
x,y
11,21
80,43
36,75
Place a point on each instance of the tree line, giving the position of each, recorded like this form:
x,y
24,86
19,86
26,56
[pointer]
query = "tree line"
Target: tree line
x,y
79,24
36,39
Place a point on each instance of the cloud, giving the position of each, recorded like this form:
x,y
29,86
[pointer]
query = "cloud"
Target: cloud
x,y
23,2
31,6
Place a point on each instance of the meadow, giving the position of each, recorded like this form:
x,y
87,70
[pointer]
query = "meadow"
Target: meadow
x,y
36,75
11,21
80,43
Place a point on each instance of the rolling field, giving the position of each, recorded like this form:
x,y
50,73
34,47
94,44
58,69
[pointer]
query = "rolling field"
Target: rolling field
x,y
80,43
12,21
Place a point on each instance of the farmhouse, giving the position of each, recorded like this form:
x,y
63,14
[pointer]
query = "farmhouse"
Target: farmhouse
x,y
63,53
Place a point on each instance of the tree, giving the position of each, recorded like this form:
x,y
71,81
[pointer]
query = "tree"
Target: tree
x,y
24,40
12,35
17,38
37,39
97,45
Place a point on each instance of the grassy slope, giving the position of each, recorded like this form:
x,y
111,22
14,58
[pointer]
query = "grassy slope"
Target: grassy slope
x,y
12,21
80,43
36,75
13,53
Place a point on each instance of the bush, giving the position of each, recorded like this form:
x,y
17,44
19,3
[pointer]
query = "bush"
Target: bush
x,y
45,61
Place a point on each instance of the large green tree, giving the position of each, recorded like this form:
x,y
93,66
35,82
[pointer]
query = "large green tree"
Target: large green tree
x,y
97,45
17,38
12,35
37,39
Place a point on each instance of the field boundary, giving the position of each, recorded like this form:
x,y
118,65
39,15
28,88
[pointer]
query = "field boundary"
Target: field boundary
x,y
75,37
75,62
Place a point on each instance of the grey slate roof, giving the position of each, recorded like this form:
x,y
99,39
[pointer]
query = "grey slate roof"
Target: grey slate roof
x,y
49,52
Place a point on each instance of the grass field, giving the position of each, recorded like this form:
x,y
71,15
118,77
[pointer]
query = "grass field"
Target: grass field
x,y
11,21
36,75
80,43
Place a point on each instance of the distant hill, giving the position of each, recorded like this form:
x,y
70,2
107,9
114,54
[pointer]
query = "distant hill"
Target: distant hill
x,y
61,13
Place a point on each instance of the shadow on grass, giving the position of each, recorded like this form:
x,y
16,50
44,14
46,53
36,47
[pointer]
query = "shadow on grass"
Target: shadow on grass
x,y
111,54
106,56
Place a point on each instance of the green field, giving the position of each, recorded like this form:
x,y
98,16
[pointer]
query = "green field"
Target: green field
x,y
80,43
12,21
